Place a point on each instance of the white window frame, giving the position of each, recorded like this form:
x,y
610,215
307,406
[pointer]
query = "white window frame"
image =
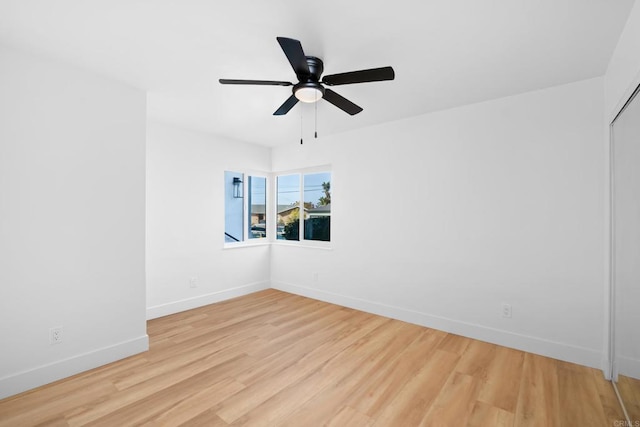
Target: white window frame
x,y
272,220
246,220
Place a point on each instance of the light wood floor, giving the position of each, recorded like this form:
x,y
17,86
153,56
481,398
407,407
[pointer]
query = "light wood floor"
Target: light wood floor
x,y
273,358
629,389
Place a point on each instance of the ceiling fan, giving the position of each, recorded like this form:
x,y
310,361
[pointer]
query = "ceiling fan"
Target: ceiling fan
x,y
310,87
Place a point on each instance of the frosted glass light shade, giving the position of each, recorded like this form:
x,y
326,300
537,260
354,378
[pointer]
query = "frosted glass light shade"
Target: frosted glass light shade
x,y
308,94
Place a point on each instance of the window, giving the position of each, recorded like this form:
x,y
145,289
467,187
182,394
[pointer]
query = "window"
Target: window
x,y
317,202
233,207
288,226
245,217
257,207
314,189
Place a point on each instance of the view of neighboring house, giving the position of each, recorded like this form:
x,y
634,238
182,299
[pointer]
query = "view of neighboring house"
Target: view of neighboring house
x,y
258,214
287,213
319,211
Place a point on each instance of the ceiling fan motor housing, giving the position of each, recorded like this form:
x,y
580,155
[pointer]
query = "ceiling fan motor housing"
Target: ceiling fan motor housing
x,y
316,67
309,88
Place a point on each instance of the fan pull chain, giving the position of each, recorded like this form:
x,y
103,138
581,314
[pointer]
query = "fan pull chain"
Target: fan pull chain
x,y
315,131
301,126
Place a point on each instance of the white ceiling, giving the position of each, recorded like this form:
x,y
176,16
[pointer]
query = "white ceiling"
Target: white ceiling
x,y
445,53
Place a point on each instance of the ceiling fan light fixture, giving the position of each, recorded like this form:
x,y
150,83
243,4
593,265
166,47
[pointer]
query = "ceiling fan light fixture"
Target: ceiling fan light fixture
x,y
310,87
308,92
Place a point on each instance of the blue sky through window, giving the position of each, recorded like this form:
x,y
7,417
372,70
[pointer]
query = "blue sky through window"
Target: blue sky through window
x,y
313,186
289,188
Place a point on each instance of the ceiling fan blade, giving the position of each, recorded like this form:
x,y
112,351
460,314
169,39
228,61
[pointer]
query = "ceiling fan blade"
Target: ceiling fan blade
x,y
362,76
288,105
254,82
341,102
293,50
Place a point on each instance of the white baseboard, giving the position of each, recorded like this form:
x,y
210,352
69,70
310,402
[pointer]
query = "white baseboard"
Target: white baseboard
x,y
41,375
605,367
202,300
543,347
628,367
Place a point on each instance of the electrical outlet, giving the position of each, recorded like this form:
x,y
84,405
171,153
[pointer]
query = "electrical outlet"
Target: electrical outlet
x,y
55,335
193,282
315,277
506,310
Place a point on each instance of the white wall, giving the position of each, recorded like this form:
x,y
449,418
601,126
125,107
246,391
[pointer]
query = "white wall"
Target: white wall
x,y
72,153
626,242
623,72
185,221
621,79
441,218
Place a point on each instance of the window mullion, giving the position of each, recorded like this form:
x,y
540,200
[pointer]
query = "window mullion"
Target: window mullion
x,y
245,208
301,211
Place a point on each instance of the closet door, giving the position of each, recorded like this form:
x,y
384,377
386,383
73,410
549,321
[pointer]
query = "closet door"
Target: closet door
x,y
626,254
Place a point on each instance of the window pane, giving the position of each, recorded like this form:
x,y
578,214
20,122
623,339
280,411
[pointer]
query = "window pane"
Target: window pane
x,y
317,206
288,223
257,207
233,206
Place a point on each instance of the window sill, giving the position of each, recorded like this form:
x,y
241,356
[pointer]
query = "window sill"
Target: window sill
x,y
238,245
326,246
292,244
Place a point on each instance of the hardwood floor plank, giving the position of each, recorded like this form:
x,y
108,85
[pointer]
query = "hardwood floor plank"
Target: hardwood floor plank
x,y
162,402
455,402
208,419
579,396
57,422
538,400
455,344
273,358
259,392
476,359
504,374
27,411
612,409
220,326
382,387
134,397
485,415
285,401
196,404
414,400
629,389
347,416
54,395
295,395
345,372
279,354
